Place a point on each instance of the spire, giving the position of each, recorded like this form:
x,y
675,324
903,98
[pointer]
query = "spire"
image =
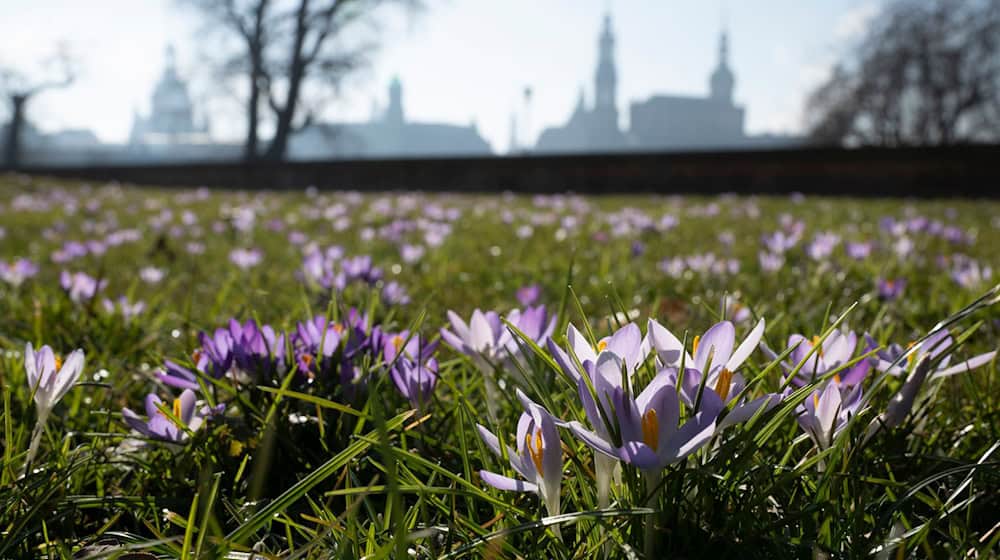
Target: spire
x,y
724,49
394,113
606,77
171,59
722,80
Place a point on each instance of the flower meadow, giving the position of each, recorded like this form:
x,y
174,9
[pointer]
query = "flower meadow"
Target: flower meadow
x,y
202,373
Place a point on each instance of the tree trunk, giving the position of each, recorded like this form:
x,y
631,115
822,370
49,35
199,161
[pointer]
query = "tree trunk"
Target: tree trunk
x,y
253,108
12,149
297,70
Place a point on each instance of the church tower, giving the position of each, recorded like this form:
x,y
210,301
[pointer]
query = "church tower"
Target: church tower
x,y
722,80
606,78
394,112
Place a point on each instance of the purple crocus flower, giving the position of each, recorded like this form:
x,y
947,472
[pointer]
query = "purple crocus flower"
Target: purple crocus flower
x,y
158,426
831,354
415,380
16,272
411,253
488,341
716,361
245,258
124,307
176,375
888,359
538,457
647,434
80,286
528,295
258,352
771,262
216,354
316,341
858,250
827,411
393,293
360,268
405,345
890,289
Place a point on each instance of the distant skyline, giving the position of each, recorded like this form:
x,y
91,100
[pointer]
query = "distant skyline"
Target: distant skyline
x,y
459,61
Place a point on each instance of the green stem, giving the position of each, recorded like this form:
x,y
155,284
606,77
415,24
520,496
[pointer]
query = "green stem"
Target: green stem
x,y
36,438
652,479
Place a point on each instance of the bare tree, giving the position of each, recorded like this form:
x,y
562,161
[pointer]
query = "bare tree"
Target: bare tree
x,y
288,51
927,73
20,87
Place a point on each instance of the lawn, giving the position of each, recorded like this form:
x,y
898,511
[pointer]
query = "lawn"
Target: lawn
x,y
347,375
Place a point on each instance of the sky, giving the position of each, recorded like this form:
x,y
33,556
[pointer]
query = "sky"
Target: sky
x,y
460,61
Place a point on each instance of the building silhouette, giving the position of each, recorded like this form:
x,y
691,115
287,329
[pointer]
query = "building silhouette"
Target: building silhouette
x,y
387,134
592,129
662,122
173,129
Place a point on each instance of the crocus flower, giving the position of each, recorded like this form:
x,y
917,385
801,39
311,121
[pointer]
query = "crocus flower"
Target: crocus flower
x,y
124,307
888,358
735,310
216,354
715,361
630,348
925,355
80,286
158,425
49,377
889,289
528,295
258,352
827,410
360,268
151,274
627,343
771,262
415,380
16,272
538,457
831,354
176,375
859,250
245,258
647,433
393,293
488,341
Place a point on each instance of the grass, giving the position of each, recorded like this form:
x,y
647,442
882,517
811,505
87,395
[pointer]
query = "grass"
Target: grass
x,y
306,464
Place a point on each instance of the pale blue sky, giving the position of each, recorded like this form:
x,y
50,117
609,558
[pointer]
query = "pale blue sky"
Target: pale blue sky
x,y
460,60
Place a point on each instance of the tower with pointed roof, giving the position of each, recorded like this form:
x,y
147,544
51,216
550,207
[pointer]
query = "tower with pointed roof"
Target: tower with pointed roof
x,y
606,76
722,81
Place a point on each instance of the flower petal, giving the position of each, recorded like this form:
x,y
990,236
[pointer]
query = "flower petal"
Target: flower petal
x,y
967,365
746,347
717,344
668,348
501,482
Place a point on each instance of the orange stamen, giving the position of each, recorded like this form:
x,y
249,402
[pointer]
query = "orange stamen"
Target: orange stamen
x,y
723,384
535,449
818,345
694,345
651,429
